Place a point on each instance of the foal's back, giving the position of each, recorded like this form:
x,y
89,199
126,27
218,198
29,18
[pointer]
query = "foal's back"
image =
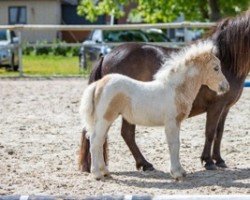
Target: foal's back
x,y
138,102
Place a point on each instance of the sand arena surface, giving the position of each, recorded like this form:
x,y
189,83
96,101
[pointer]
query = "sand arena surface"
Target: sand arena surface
x,y
40,134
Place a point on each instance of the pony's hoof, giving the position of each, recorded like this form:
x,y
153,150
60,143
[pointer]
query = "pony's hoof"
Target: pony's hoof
x,y
221,164
210,166
144,166
148,168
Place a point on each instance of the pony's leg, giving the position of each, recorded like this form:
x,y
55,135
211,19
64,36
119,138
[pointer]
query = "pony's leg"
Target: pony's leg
x,y
128,134
97,140
172,132
217,141
213,117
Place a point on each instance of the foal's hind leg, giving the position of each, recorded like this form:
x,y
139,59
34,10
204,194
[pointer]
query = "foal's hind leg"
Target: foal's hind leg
x,y
84,157
217,141
97,139
128,134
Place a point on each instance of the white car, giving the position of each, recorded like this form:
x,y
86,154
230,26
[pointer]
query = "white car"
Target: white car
x,y
9,50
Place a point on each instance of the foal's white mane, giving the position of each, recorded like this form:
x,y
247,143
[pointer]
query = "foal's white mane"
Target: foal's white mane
x,y
176,61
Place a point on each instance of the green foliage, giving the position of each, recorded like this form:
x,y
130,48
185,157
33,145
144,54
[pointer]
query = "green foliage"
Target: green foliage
x,y
27,50
57,48
92,9
42,50
160,10
233,7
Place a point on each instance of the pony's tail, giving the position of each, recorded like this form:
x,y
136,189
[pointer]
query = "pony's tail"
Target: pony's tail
x,y
96,73
84,159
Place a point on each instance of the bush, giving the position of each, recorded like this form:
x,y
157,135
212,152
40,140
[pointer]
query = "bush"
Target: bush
x,y
56,49
42,50
27,49
74,51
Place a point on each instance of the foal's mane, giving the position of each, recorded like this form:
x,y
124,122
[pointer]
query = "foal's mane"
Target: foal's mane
x,y
176,62
232,37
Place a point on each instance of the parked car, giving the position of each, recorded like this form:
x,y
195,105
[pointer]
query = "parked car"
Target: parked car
x,y
8,50
100,42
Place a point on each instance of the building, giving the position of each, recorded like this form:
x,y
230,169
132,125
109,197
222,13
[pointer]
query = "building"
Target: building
x,y
70,17
32,12
49,12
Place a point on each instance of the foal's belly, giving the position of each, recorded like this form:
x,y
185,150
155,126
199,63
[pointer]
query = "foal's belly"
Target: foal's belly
x,y
145,118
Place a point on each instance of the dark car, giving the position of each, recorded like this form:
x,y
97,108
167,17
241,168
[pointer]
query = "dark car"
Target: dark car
x,y
8,50
101,42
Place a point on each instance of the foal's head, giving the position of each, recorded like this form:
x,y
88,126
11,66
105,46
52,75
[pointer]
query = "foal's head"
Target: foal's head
x,y
210,71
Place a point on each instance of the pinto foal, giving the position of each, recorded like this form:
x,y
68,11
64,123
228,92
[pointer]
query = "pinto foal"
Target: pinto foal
x,y
165,101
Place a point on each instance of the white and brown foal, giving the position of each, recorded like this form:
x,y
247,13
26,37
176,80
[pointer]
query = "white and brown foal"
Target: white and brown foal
x,y
165,101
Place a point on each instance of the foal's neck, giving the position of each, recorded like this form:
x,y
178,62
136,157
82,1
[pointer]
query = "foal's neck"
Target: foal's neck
x,y
187,90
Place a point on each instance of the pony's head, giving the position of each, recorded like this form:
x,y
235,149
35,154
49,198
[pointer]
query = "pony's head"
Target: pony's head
x,y
209,68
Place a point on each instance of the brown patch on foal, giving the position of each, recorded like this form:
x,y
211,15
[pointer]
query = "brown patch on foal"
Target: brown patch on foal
x,y
99,87
202,59
190,83
117,105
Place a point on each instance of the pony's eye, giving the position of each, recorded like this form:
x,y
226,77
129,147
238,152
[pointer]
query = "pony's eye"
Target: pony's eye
x,y
216,68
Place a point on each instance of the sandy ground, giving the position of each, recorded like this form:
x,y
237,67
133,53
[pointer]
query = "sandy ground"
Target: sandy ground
x,y
39,138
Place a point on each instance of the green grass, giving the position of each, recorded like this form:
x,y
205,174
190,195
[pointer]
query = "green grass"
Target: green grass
x,y
48,65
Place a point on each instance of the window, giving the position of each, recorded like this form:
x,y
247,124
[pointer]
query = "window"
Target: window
x,y
3,35
18,15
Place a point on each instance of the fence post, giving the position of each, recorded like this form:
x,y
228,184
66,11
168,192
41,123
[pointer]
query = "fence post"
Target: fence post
x,y
20,52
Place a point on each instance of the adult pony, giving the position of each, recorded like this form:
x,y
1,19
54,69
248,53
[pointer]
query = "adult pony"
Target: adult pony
x,y
167,100
232,37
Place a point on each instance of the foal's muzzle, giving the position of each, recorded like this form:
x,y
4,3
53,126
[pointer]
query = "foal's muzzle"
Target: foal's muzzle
x,y
224,87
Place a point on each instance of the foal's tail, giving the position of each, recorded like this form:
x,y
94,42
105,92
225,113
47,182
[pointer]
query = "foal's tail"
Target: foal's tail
x,y
87,107
84,160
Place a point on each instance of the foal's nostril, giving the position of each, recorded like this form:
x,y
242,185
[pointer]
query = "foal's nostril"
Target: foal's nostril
x,y
224,87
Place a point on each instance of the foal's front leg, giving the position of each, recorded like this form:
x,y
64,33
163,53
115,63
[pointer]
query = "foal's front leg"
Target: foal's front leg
x,y
172,132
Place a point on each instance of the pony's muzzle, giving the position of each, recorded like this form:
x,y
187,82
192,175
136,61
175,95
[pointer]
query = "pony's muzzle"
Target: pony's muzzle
x,y
224,87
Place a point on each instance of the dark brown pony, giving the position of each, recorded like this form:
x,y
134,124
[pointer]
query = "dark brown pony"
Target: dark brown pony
x,y
141,61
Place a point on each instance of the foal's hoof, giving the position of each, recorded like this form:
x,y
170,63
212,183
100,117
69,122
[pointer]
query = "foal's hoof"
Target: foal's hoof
x,y
178,175
97,174
221,164
210,166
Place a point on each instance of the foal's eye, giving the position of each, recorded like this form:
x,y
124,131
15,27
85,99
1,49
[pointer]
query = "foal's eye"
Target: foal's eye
x,y
216,68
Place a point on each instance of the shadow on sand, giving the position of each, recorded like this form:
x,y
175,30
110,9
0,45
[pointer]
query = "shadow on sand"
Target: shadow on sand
x,y
158,179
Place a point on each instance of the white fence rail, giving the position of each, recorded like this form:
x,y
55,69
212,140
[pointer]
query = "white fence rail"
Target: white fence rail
x,y
20,28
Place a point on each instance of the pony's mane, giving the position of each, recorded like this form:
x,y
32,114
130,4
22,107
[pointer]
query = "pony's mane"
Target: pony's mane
x,y
232,37
177,60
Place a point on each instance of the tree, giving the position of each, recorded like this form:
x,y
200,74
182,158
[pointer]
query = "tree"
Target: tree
x,y
164,10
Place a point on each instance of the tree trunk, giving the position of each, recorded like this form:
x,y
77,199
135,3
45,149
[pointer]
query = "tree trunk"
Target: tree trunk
x,y
215,14
203,9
